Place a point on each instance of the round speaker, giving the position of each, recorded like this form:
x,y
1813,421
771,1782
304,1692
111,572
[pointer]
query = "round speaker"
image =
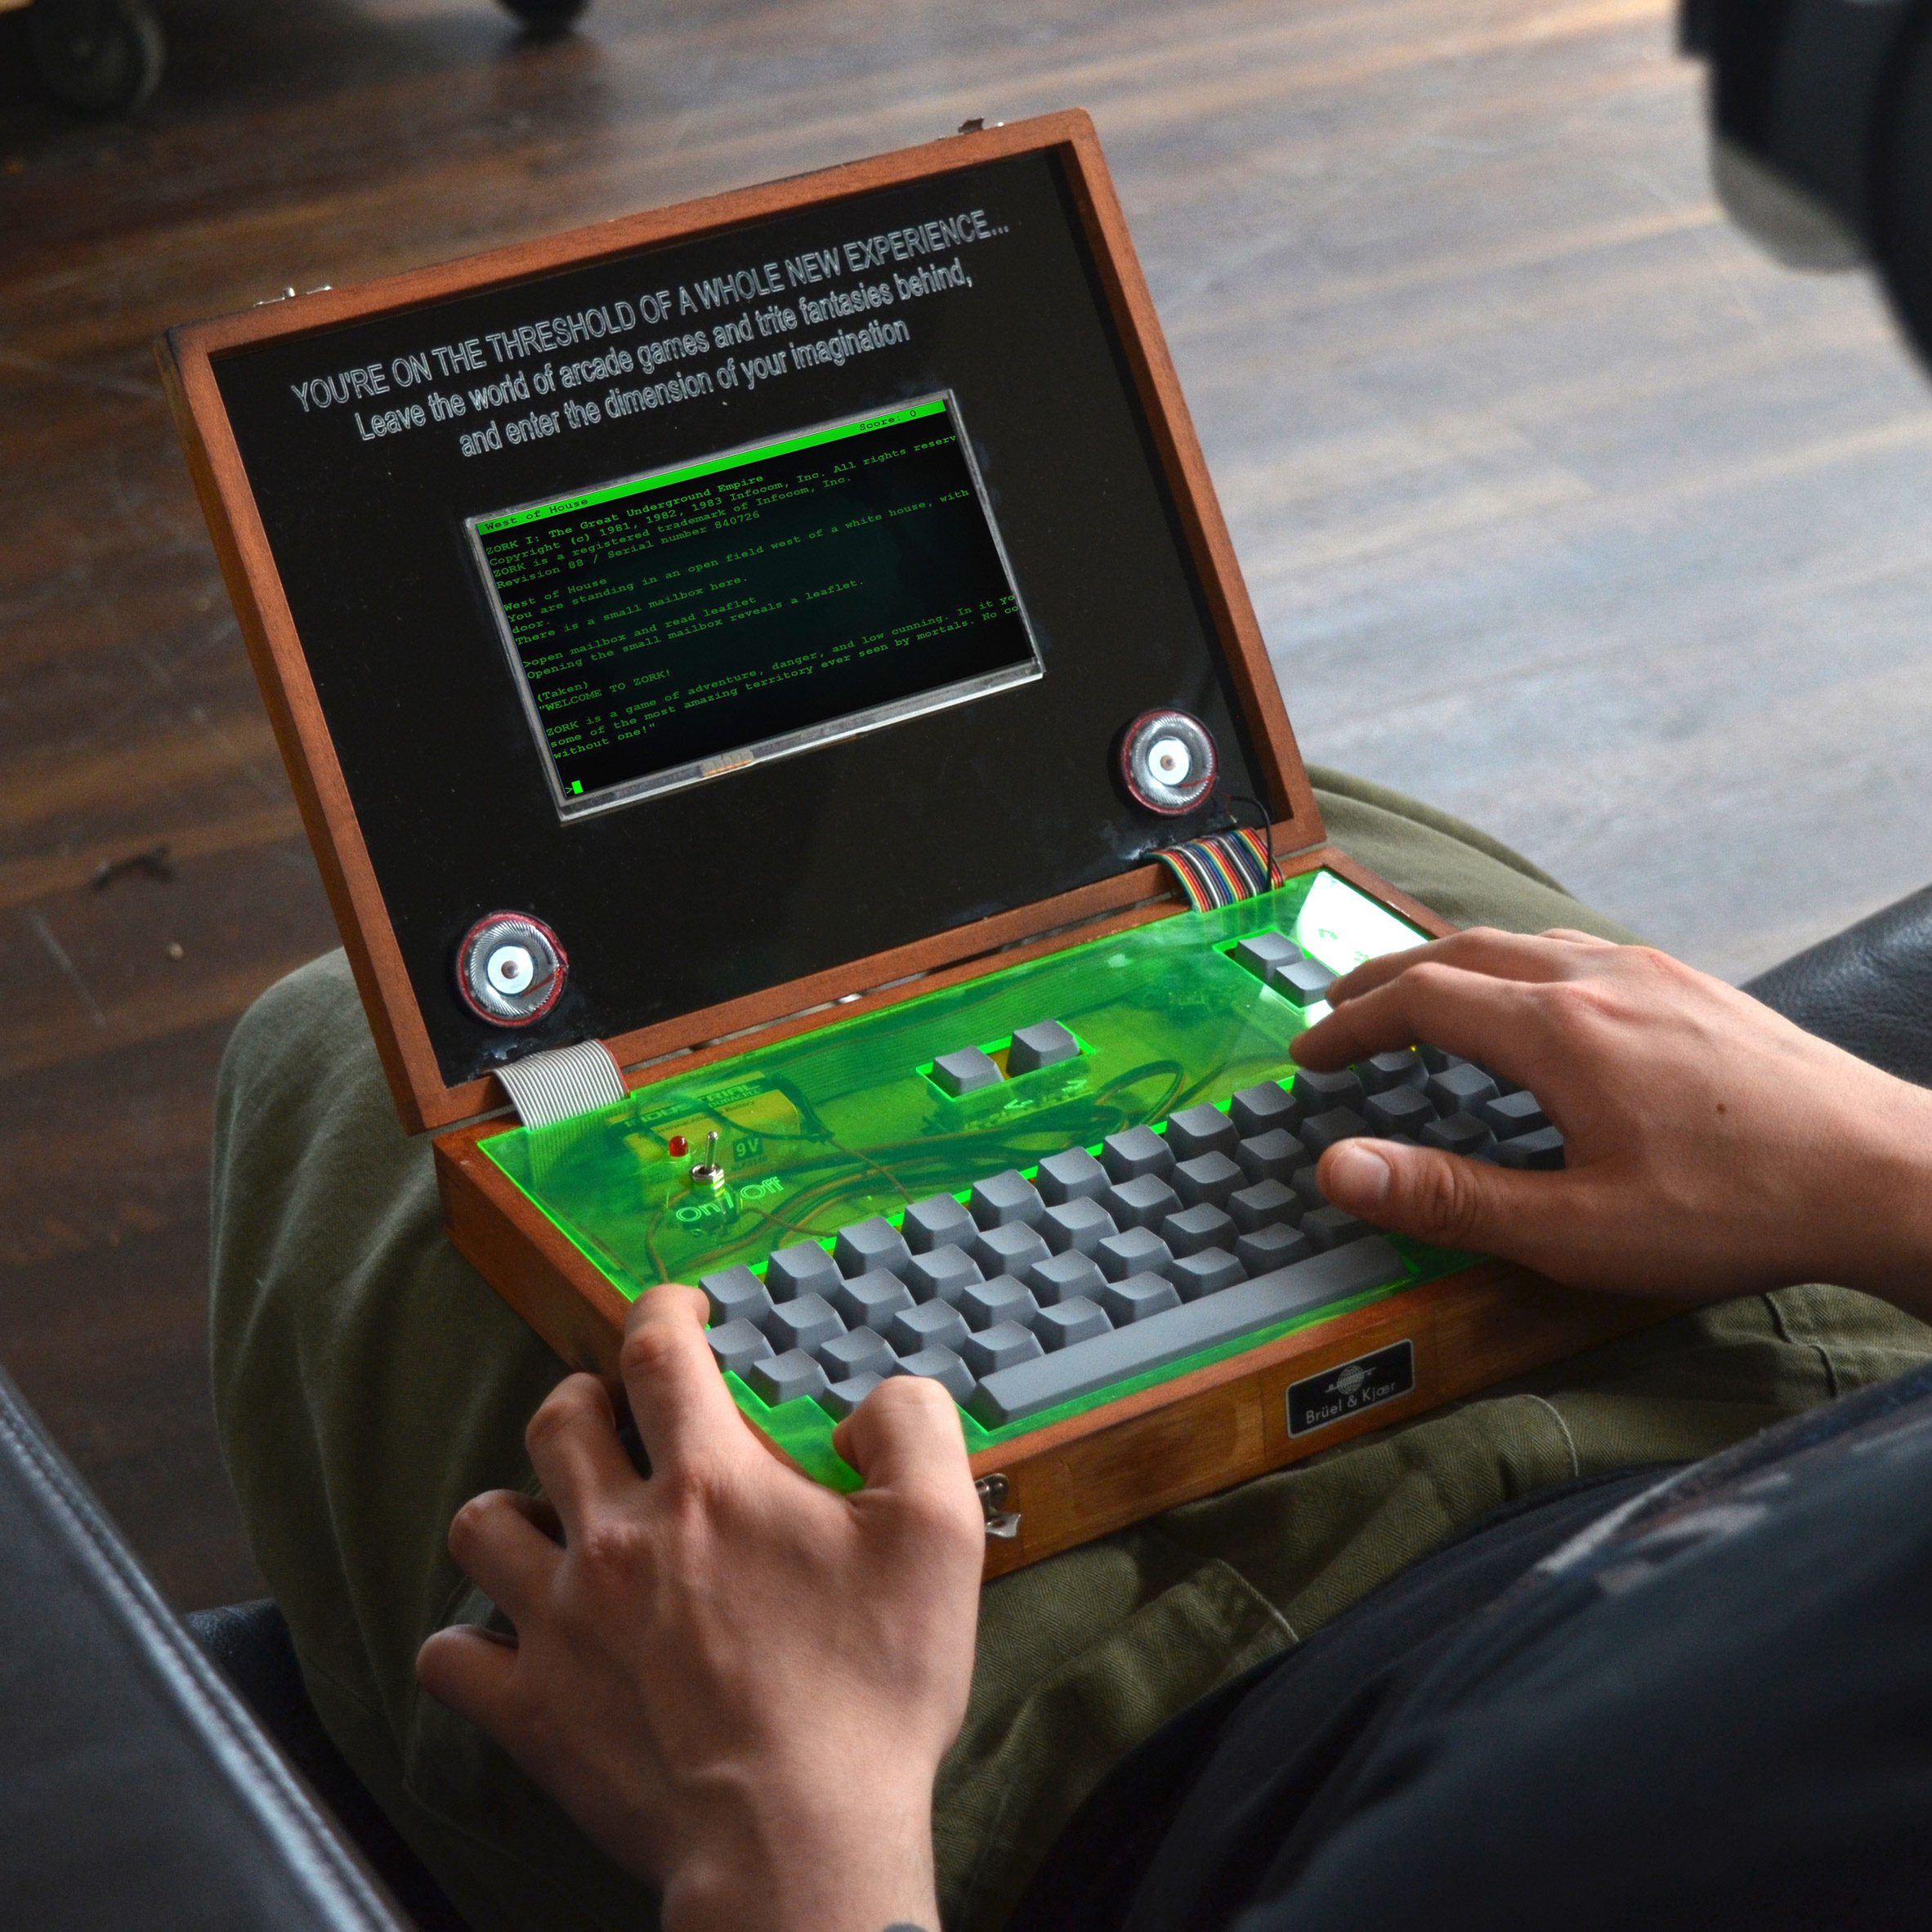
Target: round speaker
x,y
510,969
1167,761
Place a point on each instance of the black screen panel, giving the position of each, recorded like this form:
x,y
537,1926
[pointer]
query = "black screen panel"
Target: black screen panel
x,y
369,446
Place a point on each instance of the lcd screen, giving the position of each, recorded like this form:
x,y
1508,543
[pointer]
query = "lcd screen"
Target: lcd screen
x,y
668,627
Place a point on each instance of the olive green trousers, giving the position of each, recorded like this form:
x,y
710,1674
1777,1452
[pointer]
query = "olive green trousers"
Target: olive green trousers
x,y
368,1381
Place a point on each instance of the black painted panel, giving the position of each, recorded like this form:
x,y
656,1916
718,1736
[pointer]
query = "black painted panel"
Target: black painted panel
x,y
679,901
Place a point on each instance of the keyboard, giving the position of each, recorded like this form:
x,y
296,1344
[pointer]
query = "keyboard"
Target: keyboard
x,y
1057,1183
1025,1290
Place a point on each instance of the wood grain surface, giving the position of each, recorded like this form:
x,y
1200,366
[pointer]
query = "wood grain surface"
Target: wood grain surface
x,y
1559,506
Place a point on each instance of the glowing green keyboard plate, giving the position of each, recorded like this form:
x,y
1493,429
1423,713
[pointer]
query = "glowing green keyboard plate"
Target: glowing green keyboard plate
x,y
840,1123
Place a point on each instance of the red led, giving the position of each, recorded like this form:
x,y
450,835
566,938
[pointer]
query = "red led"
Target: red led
x,y
679,1147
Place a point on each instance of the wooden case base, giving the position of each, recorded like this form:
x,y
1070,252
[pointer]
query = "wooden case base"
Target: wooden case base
x,y
1079,1479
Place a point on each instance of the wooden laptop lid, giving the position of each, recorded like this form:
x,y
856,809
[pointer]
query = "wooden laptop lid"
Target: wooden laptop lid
x,y
358,450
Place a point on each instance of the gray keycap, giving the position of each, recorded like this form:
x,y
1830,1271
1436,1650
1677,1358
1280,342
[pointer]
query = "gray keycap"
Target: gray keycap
x,y
1320,1092
1401,1110
966,1072
737,1345
1061,1277
1202,1129
1271,1247
1139,1297
1210,1177
1260,951
1134,1251
1304,982
1075,1175
1076,1227
1206,1274
1339,1124
1380,1073
1260,1110
870,1300
843,1398
940,1365
806,1321
942,1274
870,1244
1265,1202
931,1324
1135,1151
987,1304
786,1378
1002,1199
1541,1149
1045,1043
1459,1089
999,1347
1007,1250
1202,1226
1011,1395
935,1223
1332,1226
1145,1202
1271,1156
1307,1184
804,1268
1511,1114
736,1295
862,1352
1459,1134
1076,1321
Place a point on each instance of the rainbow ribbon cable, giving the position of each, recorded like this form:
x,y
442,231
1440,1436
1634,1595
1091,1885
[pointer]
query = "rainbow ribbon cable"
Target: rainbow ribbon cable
x,y
1217,871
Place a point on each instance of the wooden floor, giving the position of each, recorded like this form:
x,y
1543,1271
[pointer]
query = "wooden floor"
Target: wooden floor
x,y
1561,507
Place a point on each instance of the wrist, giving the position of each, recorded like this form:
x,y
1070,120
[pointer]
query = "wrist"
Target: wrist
x,y
1880,1197
850,1852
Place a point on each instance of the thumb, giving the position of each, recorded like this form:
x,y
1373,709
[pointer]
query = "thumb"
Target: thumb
x,y
906,1432
1433,1197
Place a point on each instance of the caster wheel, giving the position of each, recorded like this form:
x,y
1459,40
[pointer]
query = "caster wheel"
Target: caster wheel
x,y
548,16
100,56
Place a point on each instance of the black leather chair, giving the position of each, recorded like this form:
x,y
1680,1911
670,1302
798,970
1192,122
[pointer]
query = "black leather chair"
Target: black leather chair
x,y
137,1789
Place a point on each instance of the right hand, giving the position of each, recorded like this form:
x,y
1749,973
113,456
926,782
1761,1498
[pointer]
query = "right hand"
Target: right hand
x,y
1713,1147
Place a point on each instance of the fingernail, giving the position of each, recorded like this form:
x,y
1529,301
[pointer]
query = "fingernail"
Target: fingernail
x,y
1360,1174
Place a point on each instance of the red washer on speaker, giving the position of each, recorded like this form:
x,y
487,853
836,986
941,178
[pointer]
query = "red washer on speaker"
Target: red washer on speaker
x,y
1168,763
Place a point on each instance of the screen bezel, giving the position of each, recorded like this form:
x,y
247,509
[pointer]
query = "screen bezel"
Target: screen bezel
x,y
836,731
424,1097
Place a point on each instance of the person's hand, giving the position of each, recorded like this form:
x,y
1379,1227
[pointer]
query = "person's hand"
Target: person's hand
x,y
739,1683
1712,1147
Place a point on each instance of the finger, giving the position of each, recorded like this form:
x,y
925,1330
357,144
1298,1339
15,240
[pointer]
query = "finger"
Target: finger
x,y
470,1671
574,1448
1482,949
906,1434
683,1410
1442,1198
1495,1021
1588,940
502,1552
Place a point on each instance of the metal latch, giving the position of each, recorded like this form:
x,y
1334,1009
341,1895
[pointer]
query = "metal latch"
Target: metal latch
x,y
1001,1521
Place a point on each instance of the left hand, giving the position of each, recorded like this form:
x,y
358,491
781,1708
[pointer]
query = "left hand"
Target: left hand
x,y
738,1682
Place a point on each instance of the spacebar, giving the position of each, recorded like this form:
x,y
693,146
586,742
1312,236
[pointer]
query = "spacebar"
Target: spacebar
x,y
1012,1394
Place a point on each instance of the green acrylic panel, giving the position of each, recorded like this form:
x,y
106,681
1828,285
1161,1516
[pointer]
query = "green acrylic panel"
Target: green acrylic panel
x,y
842,1122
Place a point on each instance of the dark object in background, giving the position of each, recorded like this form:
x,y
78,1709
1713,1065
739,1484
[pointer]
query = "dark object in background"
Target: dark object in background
x,y
1820,118
105,57
96,56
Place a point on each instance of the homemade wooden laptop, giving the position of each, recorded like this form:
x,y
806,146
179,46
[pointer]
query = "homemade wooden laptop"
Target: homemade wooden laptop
x,y
810,812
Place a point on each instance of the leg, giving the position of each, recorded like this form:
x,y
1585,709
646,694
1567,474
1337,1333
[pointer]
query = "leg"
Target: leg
x,y
367,1381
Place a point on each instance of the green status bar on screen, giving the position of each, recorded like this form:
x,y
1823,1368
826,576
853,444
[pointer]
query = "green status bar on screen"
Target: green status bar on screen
x,y
836,433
